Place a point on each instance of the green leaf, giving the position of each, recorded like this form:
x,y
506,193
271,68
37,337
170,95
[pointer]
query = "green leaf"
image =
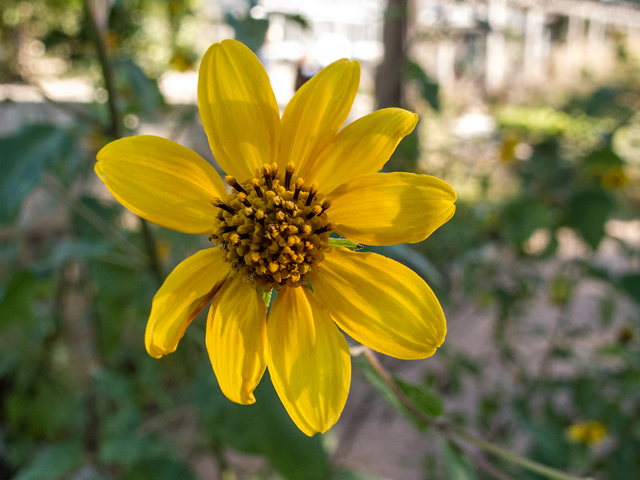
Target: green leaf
x,y
43,404
107,212
631,285
25,155
53,462
113,384
74,250
294,17
250,31
129,449
607,102
379,384
456,463
142,93
412,258
160,468
429,89
588,212
599,161
21,295
525,216
549,442
124,297
263,428
424,398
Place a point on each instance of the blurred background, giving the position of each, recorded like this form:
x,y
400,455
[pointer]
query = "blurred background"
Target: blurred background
x,y
528,108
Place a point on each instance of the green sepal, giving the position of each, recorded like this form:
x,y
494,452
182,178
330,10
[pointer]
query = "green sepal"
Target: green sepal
x,y
343,242
266,296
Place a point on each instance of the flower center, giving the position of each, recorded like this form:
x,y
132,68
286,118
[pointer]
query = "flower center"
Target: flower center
x,y
272,229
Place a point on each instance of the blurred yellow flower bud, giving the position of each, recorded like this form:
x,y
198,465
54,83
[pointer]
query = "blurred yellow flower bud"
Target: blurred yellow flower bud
x,y
590,432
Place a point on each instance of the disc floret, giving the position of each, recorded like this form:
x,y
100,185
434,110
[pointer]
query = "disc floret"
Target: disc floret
x,y
272,229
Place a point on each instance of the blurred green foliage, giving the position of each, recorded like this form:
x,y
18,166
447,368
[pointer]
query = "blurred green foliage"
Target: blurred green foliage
x,y
546,240
79,396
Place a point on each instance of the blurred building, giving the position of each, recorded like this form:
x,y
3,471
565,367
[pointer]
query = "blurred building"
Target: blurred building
x,y
503,43
491,45
495,43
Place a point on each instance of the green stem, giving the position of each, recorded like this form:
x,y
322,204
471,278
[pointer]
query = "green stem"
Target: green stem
x,y
548,472
447,428
150,243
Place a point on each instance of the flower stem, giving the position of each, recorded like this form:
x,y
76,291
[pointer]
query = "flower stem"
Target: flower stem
x,y
505,454
450,429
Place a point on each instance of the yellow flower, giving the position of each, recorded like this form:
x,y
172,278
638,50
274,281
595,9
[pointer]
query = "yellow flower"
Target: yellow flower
x,y
614,177
290,175
508,148
590,432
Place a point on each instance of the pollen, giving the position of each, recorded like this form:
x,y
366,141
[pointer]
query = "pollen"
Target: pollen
x,y
273,229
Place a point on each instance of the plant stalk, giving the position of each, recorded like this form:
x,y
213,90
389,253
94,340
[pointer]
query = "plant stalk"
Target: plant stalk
x,y
116,131
447,428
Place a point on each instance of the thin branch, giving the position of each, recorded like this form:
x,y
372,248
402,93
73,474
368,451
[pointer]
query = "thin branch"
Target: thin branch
x,y
107,72
224,471
448,428
352,426
67,107
160,422
53,186
399,394
116,131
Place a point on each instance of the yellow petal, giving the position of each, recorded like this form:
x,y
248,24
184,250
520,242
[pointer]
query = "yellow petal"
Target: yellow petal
x,y
362,147
391,208
184,293
238,109
237,338
315,113
308,360
159,180
380,303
